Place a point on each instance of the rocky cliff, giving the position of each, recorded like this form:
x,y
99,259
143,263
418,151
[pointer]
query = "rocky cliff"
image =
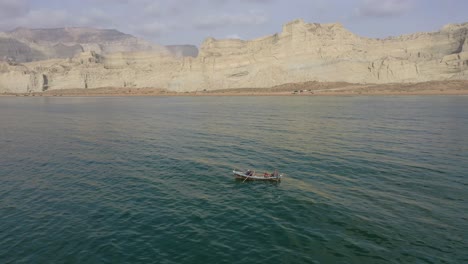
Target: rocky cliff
x,y
301,52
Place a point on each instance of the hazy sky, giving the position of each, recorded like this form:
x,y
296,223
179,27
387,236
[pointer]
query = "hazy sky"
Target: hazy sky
x,y
191,21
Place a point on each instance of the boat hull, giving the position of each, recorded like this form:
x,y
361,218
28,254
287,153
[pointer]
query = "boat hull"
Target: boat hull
x,y
243,177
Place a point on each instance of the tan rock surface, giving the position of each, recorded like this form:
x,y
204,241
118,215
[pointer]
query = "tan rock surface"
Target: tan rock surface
x,y
301,52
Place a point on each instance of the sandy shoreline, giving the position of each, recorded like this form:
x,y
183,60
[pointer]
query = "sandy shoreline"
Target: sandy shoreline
x,y
458,87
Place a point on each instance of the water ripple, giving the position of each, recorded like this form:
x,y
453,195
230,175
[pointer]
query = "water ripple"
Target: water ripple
x,y
138,180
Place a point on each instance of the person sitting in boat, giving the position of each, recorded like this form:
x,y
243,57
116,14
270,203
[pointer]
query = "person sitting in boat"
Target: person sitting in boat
x,y
266,175
248,173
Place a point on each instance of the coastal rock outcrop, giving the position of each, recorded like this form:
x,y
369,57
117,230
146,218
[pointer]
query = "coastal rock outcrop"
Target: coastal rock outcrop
x,y
301,52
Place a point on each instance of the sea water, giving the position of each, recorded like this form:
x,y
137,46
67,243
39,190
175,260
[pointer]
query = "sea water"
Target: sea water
x,y
148,180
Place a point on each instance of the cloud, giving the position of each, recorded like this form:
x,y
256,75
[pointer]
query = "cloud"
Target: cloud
x,y
153,10
233,36
383,8
259,1
243,1
43,18
223,20
13,8
56,18
94,18
152,29
190,21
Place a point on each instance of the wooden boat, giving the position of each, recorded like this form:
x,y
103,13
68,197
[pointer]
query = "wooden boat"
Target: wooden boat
x,y
249,175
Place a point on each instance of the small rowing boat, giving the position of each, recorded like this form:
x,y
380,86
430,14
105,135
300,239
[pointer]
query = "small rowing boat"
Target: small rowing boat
x,y
249,175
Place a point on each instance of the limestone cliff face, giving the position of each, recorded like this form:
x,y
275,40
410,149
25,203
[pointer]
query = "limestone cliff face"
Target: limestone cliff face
x,y
301,52
304,52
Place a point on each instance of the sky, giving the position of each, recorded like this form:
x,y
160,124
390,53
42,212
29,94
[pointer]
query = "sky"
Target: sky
x,y
191,21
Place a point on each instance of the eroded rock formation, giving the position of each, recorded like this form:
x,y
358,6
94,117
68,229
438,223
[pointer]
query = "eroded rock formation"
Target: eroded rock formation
x,y
301,52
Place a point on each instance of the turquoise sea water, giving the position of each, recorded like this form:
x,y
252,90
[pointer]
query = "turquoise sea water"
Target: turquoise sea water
x,y
148,180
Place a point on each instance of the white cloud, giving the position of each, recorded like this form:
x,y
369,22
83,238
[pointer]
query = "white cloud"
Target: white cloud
x,y
190,21
223,20
152,29
13,8
383,8
94,18
153,10
233,36
43,18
